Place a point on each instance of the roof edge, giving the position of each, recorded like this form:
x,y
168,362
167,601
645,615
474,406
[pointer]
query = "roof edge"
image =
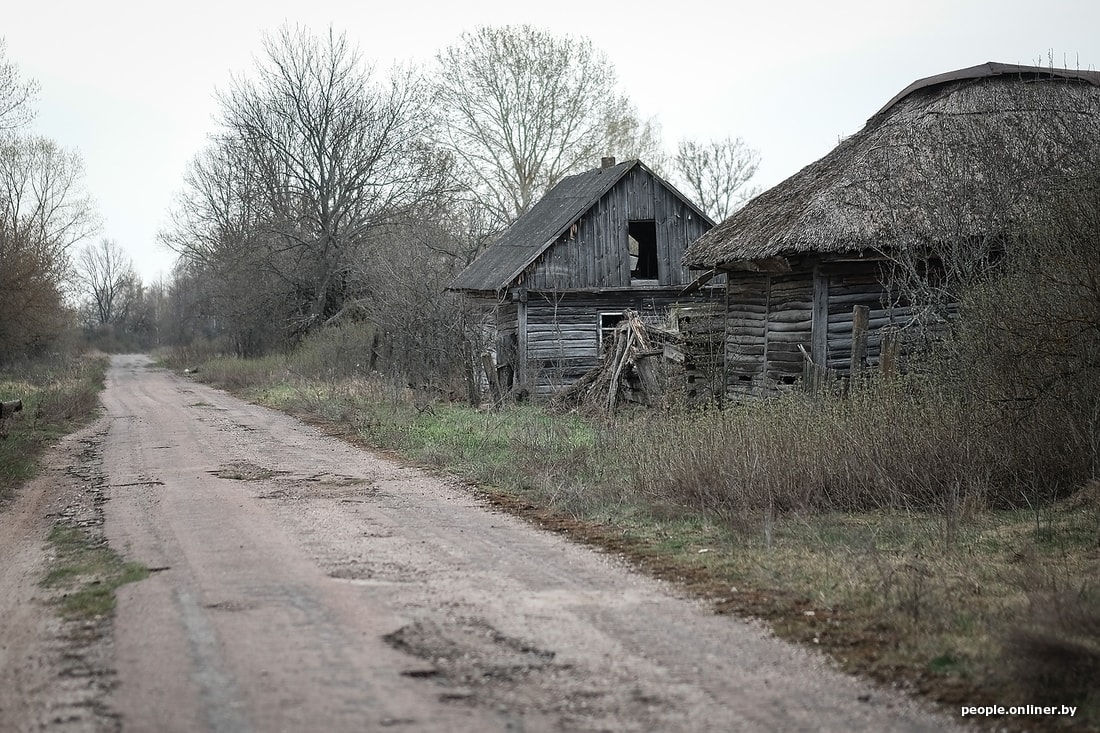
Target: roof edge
x,y
990,69
623,169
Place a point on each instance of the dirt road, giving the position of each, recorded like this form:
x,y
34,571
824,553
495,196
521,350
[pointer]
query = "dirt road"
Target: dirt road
x,y
301,584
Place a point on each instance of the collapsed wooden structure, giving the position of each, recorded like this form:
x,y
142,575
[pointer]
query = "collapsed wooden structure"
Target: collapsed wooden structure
x,y
643,362
811,265
559,281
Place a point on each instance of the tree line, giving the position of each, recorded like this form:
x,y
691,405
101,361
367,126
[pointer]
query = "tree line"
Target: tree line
x,y
332,190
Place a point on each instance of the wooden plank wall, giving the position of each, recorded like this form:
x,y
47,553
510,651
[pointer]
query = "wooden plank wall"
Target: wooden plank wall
x,y
595,252
746,326
769,316
790,322
563,330
852,284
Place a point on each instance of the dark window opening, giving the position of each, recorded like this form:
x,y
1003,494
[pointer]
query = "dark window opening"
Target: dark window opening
x,y
643,250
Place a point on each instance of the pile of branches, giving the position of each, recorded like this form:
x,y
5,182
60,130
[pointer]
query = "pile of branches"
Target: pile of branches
x,y
628,368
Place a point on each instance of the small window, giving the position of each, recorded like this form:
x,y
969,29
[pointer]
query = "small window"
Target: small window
x,y
608,321
643,250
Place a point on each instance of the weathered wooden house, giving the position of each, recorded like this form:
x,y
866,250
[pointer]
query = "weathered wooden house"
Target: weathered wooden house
x,y
954,160
561,276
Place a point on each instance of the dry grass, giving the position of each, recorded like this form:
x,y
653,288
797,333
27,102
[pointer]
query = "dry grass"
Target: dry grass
x,y
58,394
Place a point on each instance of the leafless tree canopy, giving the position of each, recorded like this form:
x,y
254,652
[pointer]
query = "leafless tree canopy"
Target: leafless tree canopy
x,y
44,211
965,182
16,94
716,174
109,287
523,108
315,156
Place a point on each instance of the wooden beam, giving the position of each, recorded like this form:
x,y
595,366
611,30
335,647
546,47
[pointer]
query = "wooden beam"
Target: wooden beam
x,y
521,342
860,317
819,330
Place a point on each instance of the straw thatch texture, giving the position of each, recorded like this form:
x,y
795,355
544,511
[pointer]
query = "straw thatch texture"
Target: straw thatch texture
x,y
959,155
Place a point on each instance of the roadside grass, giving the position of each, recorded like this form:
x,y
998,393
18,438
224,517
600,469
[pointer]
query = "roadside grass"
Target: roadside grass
x,y
86,573
884,528
58,395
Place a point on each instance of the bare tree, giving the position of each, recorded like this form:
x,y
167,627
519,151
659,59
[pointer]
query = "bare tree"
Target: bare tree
x,y
16,94
42,197
716,174
44,210
523,108
313,156
109,285
989,200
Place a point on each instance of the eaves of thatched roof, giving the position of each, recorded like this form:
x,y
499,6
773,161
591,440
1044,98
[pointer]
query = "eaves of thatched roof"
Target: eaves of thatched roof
x,y
937,158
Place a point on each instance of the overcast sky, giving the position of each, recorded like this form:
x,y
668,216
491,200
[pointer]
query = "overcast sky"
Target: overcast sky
x,y
130,85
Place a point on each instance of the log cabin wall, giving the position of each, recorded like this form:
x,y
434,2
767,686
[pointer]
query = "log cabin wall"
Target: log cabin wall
x,y
850,284
594,252
768,317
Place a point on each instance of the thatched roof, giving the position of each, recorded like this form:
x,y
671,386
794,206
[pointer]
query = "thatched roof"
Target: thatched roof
x,y
951,155
534,232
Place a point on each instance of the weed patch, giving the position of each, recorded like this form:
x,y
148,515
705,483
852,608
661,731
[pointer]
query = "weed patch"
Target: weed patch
x,y
58,395
86,573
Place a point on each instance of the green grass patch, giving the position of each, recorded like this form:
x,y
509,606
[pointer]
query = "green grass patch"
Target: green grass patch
x,y
86,572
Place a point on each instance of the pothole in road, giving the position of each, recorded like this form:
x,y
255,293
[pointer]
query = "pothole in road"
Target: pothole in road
x,y
469,651
230,606
474,663
245,471
378,572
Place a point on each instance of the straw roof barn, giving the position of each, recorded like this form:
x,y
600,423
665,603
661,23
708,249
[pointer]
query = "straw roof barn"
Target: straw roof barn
x,y
962,156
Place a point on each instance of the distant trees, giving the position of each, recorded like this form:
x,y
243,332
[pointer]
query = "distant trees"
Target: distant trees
x,y
716,174
315,157
523,108
109,287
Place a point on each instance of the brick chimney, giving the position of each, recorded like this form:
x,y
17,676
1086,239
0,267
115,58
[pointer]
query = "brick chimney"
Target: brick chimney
x,y
607,161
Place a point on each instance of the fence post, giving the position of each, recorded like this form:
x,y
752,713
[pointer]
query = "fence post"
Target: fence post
x,y
888,354
861,318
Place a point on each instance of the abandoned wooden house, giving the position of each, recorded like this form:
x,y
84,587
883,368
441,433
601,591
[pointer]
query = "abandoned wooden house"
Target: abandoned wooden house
x,y
953,160
561,277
